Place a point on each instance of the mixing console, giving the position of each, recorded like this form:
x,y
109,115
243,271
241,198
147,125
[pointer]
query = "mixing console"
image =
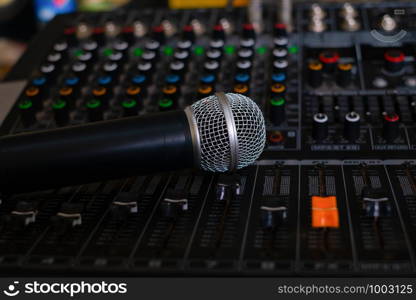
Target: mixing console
x,y
333,193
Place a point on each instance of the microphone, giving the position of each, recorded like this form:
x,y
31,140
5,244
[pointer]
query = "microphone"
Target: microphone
x,y
219,133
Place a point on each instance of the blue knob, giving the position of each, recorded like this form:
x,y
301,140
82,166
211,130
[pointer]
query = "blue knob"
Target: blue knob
x,y
172,78
72,80
138,79
39,81
279,77
104,80
242,77
210,78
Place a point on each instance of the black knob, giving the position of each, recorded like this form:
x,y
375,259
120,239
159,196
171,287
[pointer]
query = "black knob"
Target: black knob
x,y
277,110
279,30
170,97
394,60
245,53
315,76
275,137
320,126
95,110
149,55
278,90
145,67
329,59
135,92
85,56
121,45
35,96
48,69
214,54
244,66
280,65
241,88
130,107
205,90
139,79
181,55
60,46
352,126
69,95
280,41
184,44
247,43
177,67
171,91
27,112
344,75
111,68
216,44
279,52
80,69
61,111
152,45
188,33
391,129
103,94
89,46
117,57
218,33
166,104
158,34
211,66
248,31
55,58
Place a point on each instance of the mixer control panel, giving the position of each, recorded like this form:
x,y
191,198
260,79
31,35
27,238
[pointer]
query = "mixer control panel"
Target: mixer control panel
x,y
333,193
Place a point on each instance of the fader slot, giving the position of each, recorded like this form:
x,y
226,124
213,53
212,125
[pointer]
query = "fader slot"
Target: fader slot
x,y
23,223
71,225
403,180
166,237
271,236
325,240
118,232
217,243
379,236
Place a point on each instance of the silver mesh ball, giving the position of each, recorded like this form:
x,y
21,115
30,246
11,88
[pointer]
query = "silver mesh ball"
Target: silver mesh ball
x,y
214,134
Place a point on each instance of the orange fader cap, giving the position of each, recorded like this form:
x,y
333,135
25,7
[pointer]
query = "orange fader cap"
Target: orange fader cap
x,y
325,212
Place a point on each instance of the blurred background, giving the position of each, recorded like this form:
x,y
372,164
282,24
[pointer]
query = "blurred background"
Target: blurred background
x,y
21,19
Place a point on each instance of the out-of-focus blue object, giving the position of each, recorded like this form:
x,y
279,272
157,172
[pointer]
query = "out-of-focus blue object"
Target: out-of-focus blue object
x,y
46,10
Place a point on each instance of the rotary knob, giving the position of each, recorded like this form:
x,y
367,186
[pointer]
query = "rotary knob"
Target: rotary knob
x,y
394,60
391,129
320,126
352,126
329,60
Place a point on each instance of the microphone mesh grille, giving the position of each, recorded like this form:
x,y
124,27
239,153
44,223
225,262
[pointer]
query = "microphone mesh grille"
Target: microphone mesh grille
x,y
213,132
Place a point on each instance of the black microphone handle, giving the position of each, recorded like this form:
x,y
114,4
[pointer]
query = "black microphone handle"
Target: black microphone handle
x,y
96,151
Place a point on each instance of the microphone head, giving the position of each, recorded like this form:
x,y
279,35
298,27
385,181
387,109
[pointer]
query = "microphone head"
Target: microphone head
x,y
228,132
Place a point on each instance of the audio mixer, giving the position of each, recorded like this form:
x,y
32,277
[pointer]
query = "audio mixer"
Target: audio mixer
x,y
334,192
